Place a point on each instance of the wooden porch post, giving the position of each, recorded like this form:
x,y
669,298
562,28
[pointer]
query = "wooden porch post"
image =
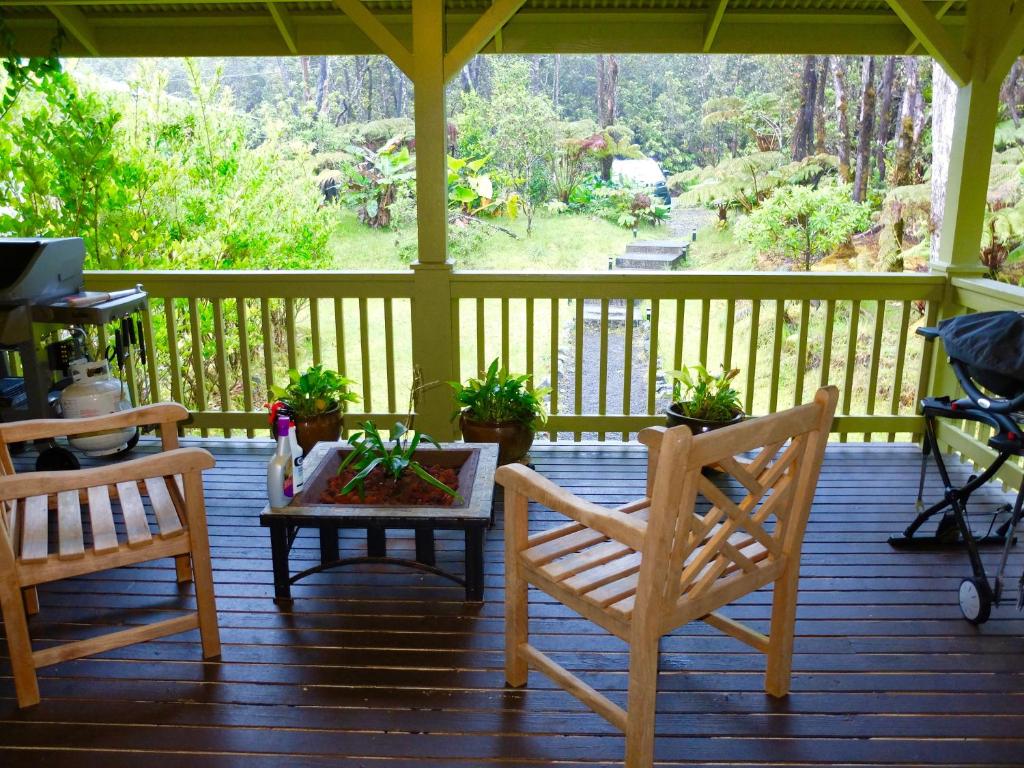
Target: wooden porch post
x,y
433,342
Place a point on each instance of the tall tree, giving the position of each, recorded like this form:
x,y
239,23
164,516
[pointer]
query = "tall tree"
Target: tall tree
x,y
321,86
1010,92
943,112
802,141
865,129
902,172
842,116
819,108
884,127
607,83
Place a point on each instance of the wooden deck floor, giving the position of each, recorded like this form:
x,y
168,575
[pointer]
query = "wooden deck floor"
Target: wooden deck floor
x,y
377,666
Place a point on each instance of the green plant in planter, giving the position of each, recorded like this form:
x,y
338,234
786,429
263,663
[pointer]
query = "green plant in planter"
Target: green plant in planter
x,y
500,397
314,392
699,394
370,451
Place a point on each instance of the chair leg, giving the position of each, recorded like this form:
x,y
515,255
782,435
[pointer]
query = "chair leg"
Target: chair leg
x,y
516,598
780,637
31,595
183,569
206,606
26,686
643,690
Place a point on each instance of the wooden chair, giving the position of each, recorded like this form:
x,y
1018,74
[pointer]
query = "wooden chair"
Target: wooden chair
x,y
649,567
172,482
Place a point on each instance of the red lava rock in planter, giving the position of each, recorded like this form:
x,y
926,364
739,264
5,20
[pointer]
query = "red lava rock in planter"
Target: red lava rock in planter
x,y
513,437
381,489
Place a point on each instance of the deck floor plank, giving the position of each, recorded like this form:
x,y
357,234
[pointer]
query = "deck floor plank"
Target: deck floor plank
x,y
373,665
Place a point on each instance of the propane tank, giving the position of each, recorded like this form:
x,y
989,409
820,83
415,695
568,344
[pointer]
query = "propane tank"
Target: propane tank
x,y
94,392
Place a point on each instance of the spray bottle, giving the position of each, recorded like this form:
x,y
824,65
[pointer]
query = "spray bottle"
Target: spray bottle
x,y
280,472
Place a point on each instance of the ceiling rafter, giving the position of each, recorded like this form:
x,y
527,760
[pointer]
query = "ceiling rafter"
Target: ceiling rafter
x,y
934,37
943,10
77,25
285,26
1009,43
476,37
381,36
716,12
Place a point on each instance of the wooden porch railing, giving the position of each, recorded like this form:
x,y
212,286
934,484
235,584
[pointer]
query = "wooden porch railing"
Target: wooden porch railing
x,y
217,338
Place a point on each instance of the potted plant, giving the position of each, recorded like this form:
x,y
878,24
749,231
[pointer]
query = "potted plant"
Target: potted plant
x,y
316,401
500,408
703,401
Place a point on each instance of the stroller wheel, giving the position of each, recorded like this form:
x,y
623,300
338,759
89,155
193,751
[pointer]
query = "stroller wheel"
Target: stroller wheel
x,y
975,603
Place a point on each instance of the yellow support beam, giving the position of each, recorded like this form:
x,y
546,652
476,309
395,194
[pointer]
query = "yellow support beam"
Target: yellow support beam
x,y
285,26
716,11
912,48
381,36
487,26
934,37
75,23
1009,44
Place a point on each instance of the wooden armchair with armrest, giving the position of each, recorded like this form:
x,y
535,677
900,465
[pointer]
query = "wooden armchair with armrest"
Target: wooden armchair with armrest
x,y
649,567
172,483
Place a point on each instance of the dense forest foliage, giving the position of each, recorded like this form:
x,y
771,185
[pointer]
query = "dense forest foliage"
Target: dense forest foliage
x,y
814,160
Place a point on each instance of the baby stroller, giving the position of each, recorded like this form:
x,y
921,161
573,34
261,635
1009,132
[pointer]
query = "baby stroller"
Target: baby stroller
x,y
986,352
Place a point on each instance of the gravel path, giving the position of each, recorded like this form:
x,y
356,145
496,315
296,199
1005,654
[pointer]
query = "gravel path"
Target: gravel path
x,y
684,220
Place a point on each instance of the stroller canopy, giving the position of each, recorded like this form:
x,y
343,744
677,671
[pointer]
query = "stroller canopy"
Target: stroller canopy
x,y
991,346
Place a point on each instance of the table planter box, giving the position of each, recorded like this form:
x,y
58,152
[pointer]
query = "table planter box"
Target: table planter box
x,y
473,514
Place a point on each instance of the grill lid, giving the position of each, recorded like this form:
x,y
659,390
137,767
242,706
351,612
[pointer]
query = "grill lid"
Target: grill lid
x,y
991,346
40,269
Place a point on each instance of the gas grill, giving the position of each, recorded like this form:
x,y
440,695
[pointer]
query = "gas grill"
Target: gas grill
x,y
38,276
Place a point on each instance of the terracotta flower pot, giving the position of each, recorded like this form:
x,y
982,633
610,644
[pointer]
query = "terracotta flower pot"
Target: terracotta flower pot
x,y
513,437
676,417
324,427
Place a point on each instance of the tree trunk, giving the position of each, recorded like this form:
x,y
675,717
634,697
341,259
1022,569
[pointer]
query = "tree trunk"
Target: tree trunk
x,y
305,78
1009,93
842,116
556,95
321,86
865,130
884,127
801,142
819,108
943,112
607,81
905,140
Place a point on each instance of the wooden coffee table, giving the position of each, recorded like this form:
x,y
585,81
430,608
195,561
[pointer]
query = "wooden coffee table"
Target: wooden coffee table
x,y
474,514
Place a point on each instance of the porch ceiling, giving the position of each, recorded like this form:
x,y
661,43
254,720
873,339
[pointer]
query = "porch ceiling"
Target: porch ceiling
x,y
284,27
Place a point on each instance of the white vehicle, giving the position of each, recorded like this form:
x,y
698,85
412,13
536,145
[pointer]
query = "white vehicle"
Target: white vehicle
x,y
642,172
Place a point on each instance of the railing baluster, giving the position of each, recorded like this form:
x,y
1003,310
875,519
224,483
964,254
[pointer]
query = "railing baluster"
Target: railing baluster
x,y
927,349
389,354
851,358
826,344
529,343
801,352
897,377
199,390
364,354
876,352
267,334
456,314
481,337
652,358
339,336
555,346
602,382
705,329
173,364
680,332
730,328
129,375
627,366
504,335
779,325
314,329
220,358
151,351
752,343
578,372
289,325
243,356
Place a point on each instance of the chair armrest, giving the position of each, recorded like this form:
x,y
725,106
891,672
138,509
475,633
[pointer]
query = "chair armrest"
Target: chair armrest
x,y
44,429
651,437
624,528
177,462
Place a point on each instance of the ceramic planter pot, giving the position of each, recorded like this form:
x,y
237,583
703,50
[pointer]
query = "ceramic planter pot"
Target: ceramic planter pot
x,y
513,437
675,417
324,427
